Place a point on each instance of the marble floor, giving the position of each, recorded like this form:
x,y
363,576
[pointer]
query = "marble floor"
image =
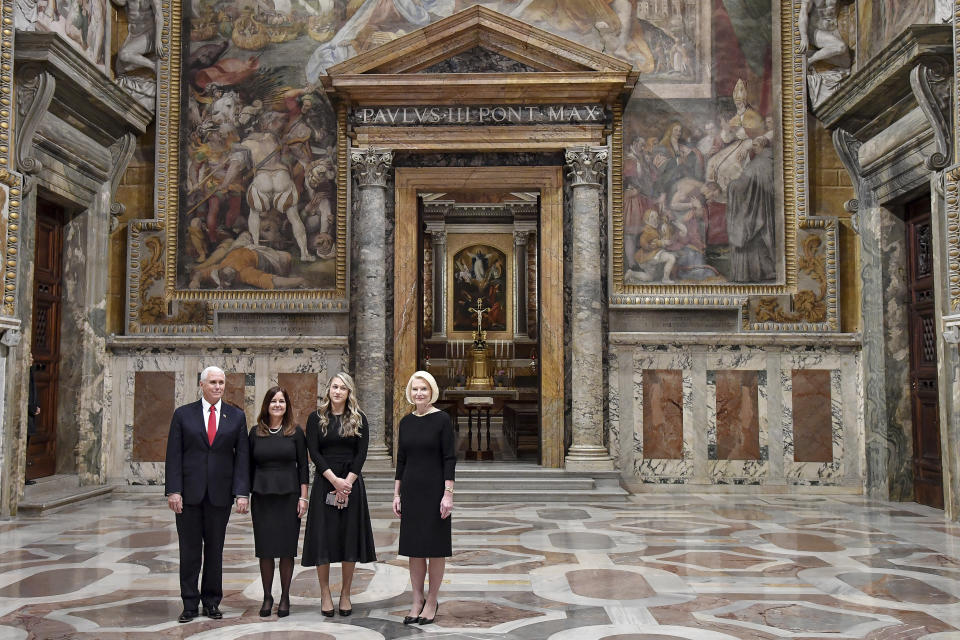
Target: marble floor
x,y
661,567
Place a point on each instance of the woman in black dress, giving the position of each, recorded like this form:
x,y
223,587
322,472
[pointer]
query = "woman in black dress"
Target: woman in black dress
x,y
423,493
278,476
337,438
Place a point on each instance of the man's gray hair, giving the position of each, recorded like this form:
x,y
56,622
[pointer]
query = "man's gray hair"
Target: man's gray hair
x,y
206,372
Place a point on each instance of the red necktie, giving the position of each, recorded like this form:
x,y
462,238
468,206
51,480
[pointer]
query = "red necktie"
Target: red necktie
x,y
212,424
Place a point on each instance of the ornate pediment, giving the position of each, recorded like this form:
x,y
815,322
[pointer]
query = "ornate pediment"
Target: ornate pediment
x,y
516,62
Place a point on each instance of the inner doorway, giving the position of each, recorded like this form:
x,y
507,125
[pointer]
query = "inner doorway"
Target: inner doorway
x,y
927,464
45,342
547,182
479,258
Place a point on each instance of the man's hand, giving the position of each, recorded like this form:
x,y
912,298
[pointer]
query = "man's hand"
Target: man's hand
x,y
243,505
175,502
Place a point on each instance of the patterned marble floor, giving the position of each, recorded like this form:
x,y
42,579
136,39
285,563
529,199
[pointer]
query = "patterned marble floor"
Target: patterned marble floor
x,y
693,566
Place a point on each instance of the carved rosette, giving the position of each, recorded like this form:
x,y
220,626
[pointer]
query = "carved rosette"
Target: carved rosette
x,y
371,166
586,165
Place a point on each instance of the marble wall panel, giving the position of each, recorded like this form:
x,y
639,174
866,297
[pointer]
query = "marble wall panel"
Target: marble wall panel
x,y
812,416
249,375
737,419
302,388
663,414
646,465
154,400
737,447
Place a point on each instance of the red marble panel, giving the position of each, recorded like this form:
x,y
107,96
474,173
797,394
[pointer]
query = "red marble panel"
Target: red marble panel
x,y
663,414
812,420
738,416
302,388
608,584
154,400
234,393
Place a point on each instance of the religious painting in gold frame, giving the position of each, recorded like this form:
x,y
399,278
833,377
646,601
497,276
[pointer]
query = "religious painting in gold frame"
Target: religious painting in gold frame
x,y
251,164
481,270
710,191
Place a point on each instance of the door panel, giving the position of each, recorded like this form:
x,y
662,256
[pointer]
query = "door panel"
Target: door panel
x,y
41,454
927,465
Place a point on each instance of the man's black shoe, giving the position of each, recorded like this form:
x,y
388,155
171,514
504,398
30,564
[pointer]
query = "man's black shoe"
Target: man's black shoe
x,y
187,616
29,482
212,612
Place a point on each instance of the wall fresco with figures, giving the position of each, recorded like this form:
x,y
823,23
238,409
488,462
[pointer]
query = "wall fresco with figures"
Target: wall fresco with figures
x,y
258,141
83,23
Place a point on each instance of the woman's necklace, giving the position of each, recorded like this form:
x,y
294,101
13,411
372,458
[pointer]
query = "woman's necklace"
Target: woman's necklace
x,y
275,431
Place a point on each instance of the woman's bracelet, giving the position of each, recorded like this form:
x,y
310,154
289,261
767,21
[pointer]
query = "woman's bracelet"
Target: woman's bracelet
x,y
450,489
396,495
302,500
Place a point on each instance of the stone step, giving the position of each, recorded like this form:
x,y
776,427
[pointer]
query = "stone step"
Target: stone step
x,y
58,491
500,484
520,496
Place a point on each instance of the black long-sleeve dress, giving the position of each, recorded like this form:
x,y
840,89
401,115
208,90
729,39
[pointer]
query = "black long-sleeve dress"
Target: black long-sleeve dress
x,y
278,466
337,535
426,457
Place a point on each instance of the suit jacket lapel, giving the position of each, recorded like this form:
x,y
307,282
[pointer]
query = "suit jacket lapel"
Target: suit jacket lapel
x,y
224,420
202,422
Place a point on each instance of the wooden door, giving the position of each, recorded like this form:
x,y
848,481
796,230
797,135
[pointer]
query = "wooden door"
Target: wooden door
x,y
42,452
927,466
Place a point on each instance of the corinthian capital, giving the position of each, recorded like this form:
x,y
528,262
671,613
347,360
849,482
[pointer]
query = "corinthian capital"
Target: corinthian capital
x,y
371,166
586,165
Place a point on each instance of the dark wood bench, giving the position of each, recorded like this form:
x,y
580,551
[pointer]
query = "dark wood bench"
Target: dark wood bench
x,y
521,429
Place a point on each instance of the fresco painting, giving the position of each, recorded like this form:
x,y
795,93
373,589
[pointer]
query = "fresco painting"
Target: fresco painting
x,y
882,20
82,22
699,178
258,141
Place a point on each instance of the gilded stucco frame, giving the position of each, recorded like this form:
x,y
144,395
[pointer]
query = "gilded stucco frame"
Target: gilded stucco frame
x,y
793,167
12,182
167,199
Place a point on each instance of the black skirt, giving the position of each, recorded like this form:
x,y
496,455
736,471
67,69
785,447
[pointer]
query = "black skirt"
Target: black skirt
x,y
338,535
276,527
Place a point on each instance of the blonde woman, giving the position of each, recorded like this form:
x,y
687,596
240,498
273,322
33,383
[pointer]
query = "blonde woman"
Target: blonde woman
x,y
338,524
423,493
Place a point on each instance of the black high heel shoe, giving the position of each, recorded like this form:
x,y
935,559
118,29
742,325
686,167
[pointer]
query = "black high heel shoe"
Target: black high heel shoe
x,y
283,613
266,609
328,613
414,619
344,612
424,621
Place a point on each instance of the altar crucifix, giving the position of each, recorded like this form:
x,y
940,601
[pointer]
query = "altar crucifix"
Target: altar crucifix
x,y
480,335
480,377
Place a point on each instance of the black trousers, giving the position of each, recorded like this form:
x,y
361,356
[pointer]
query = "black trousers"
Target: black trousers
x,y
201,529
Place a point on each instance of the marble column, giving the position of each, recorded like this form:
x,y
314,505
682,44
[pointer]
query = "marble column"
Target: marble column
x,y
438,240
371,167
587,452
520,283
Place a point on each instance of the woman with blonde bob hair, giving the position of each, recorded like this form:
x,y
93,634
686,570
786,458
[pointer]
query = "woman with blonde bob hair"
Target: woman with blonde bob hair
x,y
338,524
423,493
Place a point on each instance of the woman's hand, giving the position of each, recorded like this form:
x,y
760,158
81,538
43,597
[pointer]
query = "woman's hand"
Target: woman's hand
x,y
302,507
341,486
446,505
396,506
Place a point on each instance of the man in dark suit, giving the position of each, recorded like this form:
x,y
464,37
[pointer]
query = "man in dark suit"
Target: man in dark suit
x,y
207,467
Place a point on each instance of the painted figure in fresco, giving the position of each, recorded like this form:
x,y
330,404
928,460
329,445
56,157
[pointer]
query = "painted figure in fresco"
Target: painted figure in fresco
x,y
687,204
681,160
652,261
214,193
479,274
737,133
820,30
242,262
144,29
751,218
272,186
